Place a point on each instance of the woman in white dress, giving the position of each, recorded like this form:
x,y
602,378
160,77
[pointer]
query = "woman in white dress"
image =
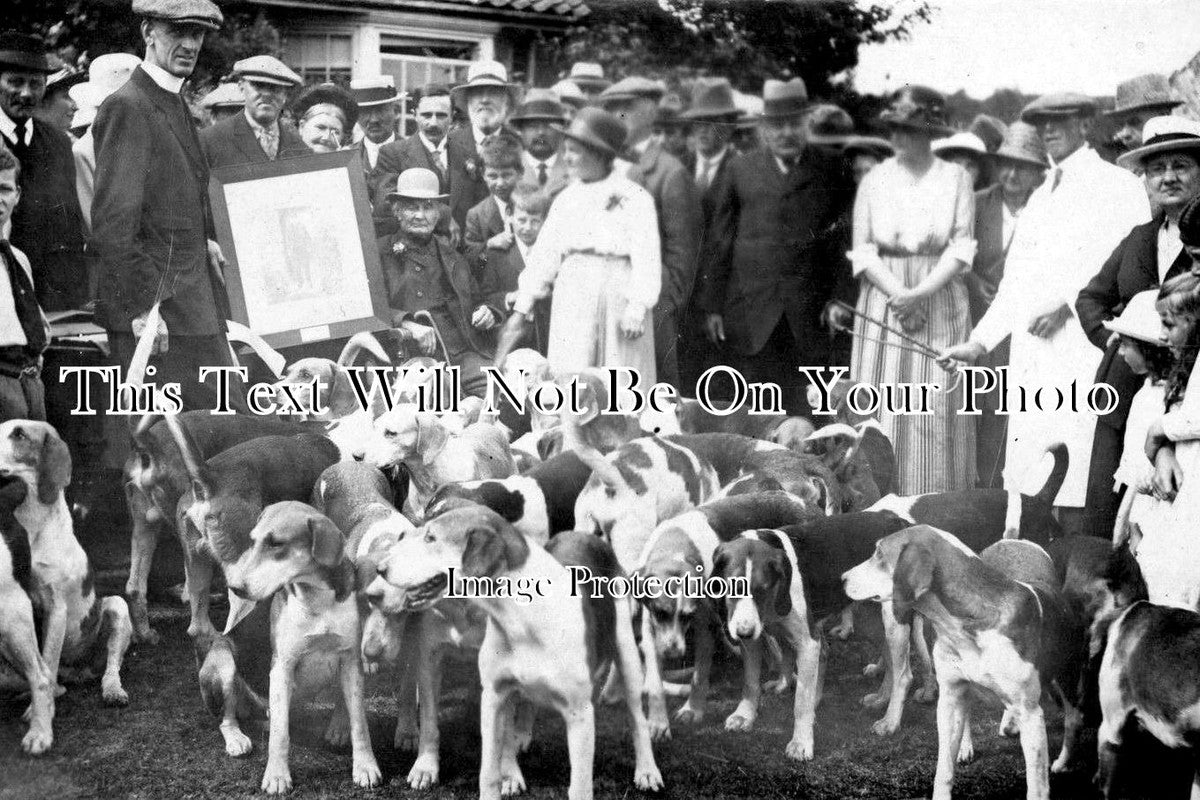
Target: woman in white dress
x,y
599,251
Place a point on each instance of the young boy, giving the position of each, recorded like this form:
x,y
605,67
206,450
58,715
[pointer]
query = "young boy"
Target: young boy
x,y
24,333
530,206
489,224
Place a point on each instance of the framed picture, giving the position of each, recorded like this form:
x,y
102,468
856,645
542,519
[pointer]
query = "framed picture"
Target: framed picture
x,y
298,236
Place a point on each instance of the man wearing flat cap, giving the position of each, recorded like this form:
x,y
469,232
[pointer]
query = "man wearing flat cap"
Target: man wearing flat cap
x,y
1150,255
151,223
47,225
488,98
257,135
1070,225
773,255
634,101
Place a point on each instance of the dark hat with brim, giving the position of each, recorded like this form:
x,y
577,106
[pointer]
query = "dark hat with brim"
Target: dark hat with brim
x,y
829,125
540,107
327,94
598,129
64,79
712,100
20,51
1059,105
182,12
917,108
871,145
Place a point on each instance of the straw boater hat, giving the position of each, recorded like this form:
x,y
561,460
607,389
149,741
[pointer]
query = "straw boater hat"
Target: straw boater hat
x,y
1167,134
327,94
23,52
712,101
482,74
917,108
1058,105
1022,144
376,91
598,129
1144,93
184,12
417,183
829,124
541,105
570,94
1139,320
588,75
265,69
631,88
961,142
783,99
106,74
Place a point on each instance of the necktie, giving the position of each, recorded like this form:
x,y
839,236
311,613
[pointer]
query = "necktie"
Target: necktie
x,y
24,300
705,175
542,177
19,146
269,141
1055,178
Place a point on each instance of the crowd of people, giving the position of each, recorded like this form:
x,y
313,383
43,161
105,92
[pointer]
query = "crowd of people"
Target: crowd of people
x,y
611,224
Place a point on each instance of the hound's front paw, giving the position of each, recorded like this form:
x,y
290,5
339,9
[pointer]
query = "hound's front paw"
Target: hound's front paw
x,y
424,773
648,779
370,667
874,700
1009,725
799,750
966,750
660,729
885,727
512,781
689,715
113,693
37,742
366,773
237,744
1064,763
742,719
277,779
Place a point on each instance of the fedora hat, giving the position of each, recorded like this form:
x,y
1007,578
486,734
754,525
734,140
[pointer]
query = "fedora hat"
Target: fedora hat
x,y
1164,135
598,129
784,98
376,91
828,124
23,52
1143,93
417,183
569,94
266,69
482,74
588,75
327,94
961,142
184,12
712,99
1139,320
1058,104
541,105
917,108
1022,144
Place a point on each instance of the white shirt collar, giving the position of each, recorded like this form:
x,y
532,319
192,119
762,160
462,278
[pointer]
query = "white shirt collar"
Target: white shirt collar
x,y
440,147
641,147
373,149
500,204
8,127
1080,156
710,164
534,163
522,248
1169,247
169,82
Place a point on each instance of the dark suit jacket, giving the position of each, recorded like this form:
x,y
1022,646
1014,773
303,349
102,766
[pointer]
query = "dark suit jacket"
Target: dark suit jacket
x,y
483,222
150,216
47,224
674,194
395,157
984,277
707,195
776,248
557,177
1132,268
466,174
232,141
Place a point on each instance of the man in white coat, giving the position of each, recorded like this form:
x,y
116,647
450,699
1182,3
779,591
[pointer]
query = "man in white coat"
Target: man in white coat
x,y
1069,227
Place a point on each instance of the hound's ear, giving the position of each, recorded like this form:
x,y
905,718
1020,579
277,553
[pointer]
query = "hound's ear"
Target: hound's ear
x,y
432,435
720,560
342,400
484,554
54,467
327,542
911,579
783,584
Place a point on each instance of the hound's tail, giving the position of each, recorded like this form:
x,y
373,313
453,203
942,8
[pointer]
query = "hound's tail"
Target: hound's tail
x,y
1057,475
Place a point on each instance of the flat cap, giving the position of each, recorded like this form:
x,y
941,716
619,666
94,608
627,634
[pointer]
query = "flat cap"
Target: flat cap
x,y
1058,104
633,87
266,69
195,12
226,95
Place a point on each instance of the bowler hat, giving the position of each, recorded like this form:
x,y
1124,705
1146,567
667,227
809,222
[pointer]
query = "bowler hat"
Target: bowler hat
x,y
482,74
184,12
589,75
1164,134
784,99
828,124
417,183
266,69
632,88
598,129
327,94
376,91
712,99
1140,319
1058,105
1022,144
23,52
917,108
1144,93
540,105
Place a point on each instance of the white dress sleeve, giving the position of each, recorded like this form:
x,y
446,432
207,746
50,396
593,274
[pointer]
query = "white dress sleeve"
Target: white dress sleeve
x,y
645,250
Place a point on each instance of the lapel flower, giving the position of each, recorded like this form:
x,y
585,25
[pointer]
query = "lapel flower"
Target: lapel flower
x,y
614,202
398,248
472,167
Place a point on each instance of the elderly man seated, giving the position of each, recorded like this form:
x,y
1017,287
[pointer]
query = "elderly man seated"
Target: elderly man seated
x,y
430,288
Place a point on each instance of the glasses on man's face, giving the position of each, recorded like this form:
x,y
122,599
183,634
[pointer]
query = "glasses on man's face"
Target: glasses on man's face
x,y
1159,168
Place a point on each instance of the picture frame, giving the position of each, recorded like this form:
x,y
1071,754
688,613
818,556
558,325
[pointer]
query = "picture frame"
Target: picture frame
x,y
299,242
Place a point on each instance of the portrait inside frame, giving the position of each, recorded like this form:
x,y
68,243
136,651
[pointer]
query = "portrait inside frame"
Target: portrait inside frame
x,y
300,245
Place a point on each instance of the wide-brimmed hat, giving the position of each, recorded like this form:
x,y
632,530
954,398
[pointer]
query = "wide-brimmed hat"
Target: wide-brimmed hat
x,y
105,75
633,87
990,130
266,69
417,183
1022,144
329,94
484,74
1164,135
871,145
23,52
541,105
570,94
597,128
784,98
961,142
917,108
828,124
589,75
1144,93
712,99
182,12
1139,320
377,91
1058,105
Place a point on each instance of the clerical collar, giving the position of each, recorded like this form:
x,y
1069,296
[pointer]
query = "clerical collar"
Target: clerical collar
x,y
169,82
